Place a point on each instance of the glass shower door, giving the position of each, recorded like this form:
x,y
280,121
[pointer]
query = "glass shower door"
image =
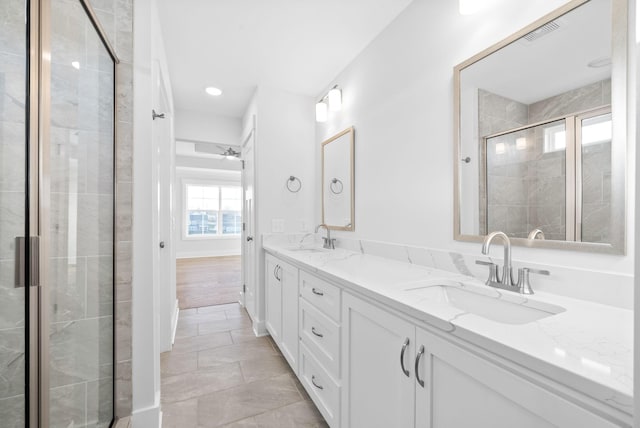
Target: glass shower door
x,y
79,251
13,197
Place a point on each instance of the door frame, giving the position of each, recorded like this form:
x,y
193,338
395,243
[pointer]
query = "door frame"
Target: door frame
x,y
245,247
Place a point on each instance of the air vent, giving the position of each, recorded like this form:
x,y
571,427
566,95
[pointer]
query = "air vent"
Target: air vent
x,y
542,31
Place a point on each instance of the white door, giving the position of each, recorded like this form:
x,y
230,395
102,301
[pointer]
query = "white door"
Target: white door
x,y
165,252
248,238
378,373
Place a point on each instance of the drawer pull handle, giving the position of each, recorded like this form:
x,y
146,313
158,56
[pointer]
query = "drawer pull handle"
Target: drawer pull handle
x,y
313,381
418,358
313,330
404,349
317,292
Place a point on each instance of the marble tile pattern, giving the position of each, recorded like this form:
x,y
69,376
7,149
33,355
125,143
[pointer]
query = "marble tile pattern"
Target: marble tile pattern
x,y
12,205
229,377
522,189
116,18
81,245
591,354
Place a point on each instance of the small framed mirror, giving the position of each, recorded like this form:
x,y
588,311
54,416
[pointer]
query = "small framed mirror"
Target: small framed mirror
x,y
541,133
338,181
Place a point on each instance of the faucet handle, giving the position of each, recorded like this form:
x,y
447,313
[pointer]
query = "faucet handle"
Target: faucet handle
x,y
493,271
538,271
524,286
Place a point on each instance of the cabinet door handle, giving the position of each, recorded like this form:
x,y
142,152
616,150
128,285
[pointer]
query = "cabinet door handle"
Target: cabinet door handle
x,y
313,330
275,272
313,381
418,358
404,349
317,292
279,273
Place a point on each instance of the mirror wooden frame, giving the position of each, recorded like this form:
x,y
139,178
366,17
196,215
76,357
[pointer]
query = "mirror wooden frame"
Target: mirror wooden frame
x,y
622,134
350,188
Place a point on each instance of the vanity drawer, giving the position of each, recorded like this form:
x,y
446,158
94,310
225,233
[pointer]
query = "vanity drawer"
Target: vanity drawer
x,y
321,335
321,294
322,389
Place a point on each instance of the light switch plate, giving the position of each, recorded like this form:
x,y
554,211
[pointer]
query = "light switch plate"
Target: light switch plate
x,y
277,225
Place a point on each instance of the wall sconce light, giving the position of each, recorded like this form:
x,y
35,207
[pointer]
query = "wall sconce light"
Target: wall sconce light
x,y
335,99
321,111
332,100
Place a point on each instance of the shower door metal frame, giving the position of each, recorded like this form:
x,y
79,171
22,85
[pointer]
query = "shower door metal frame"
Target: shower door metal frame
x,y
38,206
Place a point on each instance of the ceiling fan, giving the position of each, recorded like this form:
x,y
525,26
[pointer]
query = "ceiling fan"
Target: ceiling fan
x,y
231,153
216,149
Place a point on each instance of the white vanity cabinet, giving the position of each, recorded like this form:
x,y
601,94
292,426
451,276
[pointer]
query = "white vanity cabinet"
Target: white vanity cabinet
x,y
378,386
396,374
320,329
281,311
463,389
366,365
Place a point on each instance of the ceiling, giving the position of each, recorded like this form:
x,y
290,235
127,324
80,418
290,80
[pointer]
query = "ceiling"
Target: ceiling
x,y
237,45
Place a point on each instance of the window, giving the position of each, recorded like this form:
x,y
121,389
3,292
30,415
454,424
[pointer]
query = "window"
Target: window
x,y
213,210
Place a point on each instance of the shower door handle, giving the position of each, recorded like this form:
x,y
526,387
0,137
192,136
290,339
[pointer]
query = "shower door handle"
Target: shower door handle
x,y
20,263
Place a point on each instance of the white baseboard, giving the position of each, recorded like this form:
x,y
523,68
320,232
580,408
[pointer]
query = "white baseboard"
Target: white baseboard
x,y
197,254
147,417
174,323
260,329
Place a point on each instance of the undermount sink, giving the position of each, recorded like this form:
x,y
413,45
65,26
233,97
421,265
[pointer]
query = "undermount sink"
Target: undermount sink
x,y
495,305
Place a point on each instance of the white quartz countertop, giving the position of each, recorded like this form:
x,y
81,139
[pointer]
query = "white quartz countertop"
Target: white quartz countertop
x,y
588,346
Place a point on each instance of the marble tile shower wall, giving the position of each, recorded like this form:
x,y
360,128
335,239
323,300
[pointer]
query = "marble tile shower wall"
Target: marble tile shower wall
x,y
526,187
12,196
81,222
116,17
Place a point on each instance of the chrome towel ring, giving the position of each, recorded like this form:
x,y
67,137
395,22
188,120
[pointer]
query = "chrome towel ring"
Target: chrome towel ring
x,y
336,186
292,186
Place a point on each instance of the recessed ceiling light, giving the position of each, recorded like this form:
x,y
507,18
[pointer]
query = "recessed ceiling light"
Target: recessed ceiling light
x,y
213,91
75,64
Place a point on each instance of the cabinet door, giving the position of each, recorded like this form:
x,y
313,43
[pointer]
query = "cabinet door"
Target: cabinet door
x,y
463,389
289,332
273,294
378,387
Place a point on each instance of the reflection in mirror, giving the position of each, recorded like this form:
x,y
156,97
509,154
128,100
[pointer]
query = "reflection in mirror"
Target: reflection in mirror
x,y
536,133
337,181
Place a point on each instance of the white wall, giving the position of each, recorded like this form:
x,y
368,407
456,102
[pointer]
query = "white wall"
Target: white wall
x,y
284,147
149,56
199,126
398,94
202,247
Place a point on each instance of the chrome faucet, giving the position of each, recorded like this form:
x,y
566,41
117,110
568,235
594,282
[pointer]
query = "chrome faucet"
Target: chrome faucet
x,y
506,282
507,277
535,233
327,242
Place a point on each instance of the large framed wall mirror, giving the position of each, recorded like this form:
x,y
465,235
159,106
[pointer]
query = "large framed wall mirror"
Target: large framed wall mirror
x,y
541,133
338,181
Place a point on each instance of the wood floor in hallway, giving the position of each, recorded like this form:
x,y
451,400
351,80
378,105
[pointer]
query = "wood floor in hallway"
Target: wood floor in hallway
x,y
208,281
220,375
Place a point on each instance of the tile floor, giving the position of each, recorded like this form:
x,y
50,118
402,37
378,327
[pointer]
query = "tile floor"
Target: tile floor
x,y
220,375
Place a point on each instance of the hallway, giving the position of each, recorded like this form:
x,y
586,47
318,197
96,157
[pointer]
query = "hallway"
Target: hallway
x,y
208,281
220,375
